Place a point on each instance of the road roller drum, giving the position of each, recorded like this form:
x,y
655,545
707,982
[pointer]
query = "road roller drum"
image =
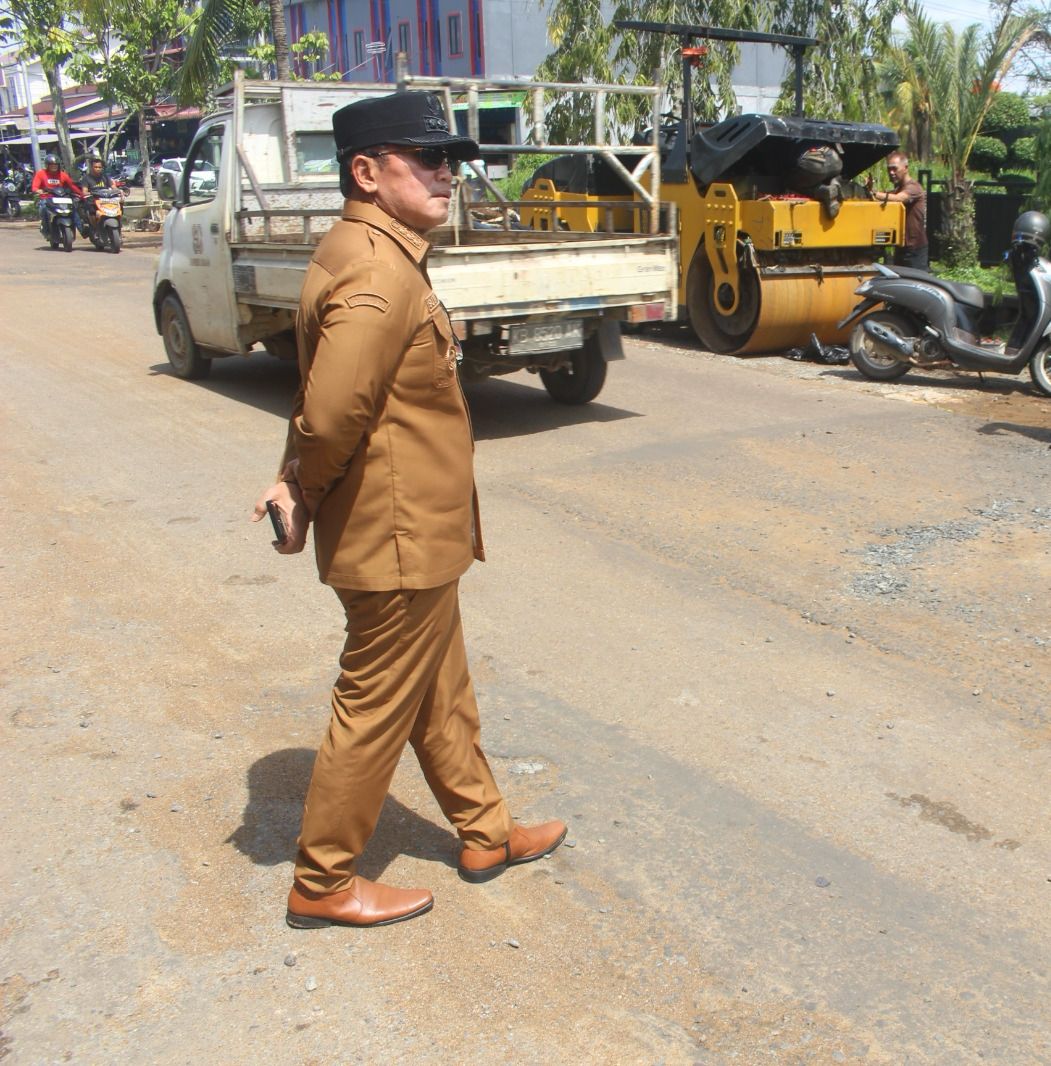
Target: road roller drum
x,y
775,309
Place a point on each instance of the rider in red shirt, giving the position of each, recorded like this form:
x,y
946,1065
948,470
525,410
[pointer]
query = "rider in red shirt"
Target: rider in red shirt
x,y
52,179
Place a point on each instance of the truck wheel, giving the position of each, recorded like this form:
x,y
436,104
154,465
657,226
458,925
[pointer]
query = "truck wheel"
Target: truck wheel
x,y
183,353
582,380
872,361
1040,369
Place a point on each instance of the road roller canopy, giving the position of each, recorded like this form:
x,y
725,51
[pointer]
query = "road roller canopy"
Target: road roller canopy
x,y
770,146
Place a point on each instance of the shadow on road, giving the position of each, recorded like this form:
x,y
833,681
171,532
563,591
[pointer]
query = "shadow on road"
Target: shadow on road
x,y
1007,404
277,785
499,407
998,384
999,429
260,381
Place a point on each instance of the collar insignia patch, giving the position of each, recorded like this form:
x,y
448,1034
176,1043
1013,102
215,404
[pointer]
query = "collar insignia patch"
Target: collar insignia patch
x,y
403,231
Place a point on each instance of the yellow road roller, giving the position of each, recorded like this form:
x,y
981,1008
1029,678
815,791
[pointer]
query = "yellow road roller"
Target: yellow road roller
x,y
775,232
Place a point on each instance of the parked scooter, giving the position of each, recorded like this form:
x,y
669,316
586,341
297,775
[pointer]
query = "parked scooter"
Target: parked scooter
x,y
928,322
99,216
22,176
10,204
57,224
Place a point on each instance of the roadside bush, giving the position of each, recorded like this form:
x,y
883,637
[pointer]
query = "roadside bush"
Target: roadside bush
x,y
989,154
1023,152
994,280
521,171
1008,112
1012,177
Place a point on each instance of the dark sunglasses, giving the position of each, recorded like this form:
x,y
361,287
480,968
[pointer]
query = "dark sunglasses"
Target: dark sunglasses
x,y
430,158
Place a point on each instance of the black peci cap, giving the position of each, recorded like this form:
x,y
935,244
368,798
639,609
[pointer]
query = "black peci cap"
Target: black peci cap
x,y
410,118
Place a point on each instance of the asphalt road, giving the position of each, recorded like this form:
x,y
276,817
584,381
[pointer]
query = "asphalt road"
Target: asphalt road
x,y
775,641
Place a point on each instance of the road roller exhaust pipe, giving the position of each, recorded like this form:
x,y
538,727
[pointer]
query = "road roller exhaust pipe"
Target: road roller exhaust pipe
x,y
899,345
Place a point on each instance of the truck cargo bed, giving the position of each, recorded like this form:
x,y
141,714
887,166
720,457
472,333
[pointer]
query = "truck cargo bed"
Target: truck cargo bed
x,y
480,272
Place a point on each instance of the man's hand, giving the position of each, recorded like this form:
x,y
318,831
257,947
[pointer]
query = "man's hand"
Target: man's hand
x,y
289,499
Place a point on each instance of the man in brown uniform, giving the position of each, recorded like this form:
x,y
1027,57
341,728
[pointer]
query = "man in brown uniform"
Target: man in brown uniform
x,y
380,460
908,191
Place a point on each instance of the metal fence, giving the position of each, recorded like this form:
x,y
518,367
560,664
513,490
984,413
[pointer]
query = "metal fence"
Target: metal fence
x,y
994,215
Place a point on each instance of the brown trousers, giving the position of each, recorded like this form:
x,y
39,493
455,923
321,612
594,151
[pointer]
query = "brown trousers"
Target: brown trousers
x,y
404,678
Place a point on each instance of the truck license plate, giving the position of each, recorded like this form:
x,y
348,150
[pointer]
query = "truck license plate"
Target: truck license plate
x,y
560,335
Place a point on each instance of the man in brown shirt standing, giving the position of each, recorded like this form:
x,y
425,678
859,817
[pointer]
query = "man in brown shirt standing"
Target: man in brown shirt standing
x,y
908,191
380,460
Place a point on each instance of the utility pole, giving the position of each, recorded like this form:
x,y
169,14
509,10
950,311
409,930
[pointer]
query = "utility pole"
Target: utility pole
x,y
33,142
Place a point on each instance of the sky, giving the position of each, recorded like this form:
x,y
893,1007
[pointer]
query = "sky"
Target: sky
x,y
960,13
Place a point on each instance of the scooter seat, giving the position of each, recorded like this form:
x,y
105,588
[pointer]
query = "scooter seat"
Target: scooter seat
x,y
961,291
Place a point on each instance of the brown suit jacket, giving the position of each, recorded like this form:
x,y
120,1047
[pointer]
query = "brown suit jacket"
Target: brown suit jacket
x,y
380,425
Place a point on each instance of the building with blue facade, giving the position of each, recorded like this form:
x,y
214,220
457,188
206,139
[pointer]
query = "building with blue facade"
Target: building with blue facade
x,y
450,38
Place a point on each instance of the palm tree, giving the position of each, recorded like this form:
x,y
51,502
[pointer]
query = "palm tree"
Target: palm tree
x,y
943,84
217,24
904,70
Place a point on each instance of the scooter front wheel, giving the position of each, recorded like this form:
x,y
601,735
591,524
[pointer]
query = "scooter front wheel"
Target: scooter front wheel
x,y
67,239
871,359
1040,369
113,235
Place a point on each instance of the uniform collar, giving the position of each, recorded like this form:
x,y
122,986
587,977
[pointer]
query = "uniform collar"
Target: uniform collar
x,y
415,246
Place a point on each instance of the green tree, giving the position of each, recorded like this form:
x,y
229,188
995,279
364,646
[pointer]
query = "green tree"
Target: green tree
x,y
971,69
217,24
41,29
995,147
988,154
1008,112
905,77
1023,153
139,70
958,75
1042,192
312,48
841,80
589,48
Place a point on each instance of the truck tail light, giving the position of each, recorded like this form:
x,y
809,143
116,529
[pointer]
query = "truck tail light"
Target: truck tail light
x,y
651,312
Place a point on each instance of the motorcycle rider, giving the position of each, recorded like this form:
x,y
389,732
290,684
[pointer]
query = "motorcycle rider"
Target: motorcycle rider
x,y
95,179
50,180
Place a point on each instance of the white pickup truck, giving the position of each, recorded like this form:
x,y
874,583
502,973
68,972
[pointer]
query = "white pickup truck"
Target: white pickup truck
x,y
234,255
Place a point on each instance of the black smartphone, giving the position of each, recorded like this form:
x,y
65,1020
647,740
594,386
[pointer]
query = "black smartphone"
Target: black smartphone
x,y
277,520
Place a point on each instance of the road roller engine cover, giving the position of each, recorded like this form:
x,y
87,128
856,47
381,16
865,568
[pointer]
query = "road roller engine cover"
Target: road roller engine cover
x,y
775,231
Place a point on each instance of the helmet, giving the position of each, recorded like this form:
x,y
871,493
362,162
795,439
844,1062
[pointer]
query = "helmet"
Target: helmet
x,y
50,158
1032,227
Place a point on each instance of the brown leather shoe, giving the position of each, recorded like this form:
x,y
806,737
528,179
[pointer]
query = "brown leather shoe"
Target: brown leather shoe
x,y
525,845
364,903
